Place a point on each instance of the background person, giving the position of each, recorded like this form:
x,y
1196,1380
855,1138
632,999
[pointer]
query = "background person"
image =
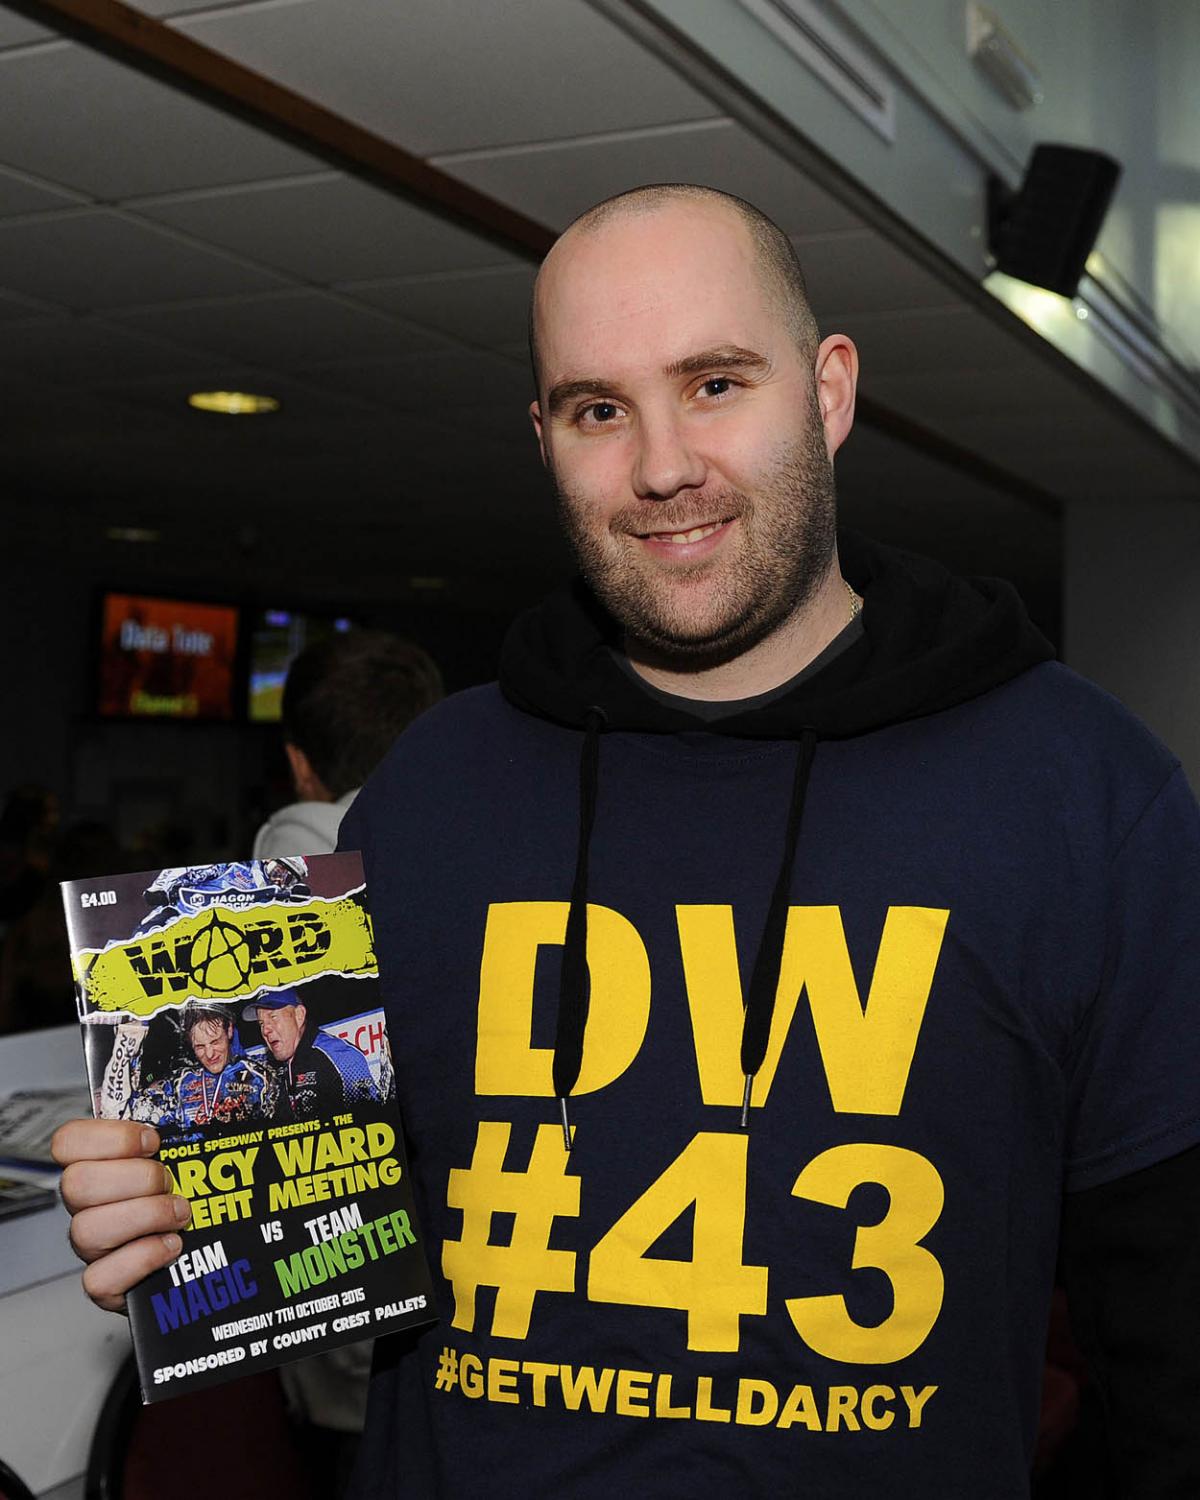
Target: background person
x,y
345,701
223,1087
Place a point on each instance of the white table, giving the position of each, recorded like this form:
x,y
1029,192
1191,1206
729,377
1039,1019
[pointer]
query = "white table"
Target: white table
x,y
58,1353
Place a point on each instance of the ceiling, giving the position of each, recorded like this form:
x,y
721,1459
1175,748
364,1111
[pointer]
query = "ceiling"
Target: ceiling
x,y
152,244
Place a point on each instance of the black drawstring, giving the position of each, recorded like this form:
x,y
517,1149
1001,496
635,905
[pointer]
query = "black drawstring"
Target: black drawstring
x,y
764,980
575,983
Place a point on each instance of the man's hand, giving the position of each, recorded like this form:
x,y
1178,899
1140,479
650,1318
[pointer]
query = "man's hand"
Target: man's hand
x,y
123,1213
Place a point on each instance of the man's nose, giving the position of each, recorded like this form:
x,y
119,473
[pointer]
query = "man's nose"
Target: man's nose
x,y
666,461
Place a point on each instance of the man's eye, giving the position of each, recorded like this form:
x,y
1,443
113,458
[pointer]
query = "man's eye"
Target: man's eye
x,y
599,412
717,385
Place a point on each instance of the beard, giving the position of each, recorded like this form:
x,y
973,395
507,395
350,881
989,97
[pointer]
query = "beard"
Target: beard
x,y
691,618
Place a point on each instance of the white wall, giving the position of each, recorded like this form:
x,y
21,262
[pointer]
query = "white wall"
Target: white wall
x,y
1118,76
1132,612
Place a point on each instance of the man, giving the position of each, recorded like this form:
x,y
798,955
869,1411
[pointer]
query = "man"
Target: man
x,y
225,1087
761,964
319,1075
344,702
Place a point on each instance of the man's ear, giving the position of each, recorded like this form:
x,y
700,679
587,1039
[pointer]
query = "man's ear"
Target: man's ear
x,y
309,786
836,378
301,1015
535,416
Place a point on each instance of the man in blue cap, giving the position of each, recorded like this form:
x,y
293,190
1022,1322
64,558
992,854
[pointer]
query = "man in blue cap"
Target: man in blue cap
x,y
319,1074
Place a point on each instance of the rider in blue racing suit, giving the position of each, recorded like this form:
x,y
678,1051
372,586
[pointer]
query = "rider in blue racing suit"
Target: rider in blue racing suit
x,y
184,890
224,1087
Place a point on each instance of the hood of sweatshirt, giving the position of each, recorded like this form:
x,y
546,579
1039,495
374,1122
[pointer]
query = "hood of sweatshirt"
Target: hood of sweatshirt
x,y
930,641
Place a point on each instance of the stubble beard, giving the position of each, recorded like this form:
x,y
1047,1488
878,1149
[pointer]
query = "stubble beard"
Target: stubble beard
x,y
788,536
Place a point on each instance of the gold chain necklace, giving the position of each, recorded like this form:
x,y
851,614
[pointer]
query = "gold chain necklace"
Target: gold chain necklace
x,y
855,602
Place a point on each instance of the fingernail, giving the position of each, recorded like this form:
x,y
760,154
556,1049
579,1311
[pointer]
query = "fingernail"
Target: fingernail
x,y
149,1140
172,1243
182,1209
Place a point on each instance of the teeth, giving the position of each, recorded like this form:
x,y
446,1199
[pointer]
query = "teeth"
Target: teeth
x,y
692,536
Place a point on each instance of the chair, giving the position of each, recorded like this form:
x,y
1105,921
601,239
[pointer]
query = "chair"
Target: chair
x,y
237,1436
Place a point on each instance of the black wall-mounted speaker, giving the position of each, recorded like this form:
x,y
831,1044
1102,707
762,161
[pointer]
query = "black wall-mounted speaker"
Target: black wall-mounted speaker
x,y
1044,232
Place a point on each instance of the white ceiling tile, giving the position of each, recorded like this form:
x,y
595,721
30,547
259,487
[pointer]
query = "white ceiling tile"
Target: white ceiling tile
x,y
555,183
166,10
15,309
81,351
282,329
20,194
848,274
433,382
488,307
448,75
77,118
93,258
16,31
326,230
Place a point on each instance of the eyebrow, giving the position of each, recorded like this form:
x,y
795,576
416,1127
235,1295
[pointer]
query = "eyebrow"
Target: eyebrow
x,y
721,356
726,356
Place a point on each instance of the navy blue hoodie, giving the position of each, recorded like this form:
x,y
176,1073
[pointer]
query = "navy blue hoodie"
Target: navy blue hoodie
x,y
939,905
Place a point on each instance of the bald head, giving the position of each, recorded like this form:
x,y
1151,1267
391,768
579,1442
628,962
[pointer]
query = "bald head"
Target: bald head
x,y
774,260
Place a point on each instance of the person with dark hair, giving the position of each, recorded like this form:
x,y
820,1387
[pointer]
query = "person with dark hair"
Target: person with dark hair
x,y
784,960
345,701
223,1086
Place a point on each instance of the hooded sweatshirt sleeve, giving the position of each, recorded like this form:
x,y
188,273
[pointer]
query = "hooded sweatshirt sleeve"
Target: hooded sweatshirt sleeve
x,y
1131,1264
1131,1216
1134,1071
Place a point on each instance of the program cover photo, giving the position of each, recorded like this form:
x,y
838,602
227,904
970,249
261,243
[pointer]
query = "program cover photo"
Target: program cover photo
x,y
235,1007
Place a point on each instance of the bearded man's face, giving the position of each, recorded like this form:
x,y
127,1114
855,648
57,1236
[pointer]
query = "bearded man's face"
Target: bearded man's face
x,y
681,428
771,545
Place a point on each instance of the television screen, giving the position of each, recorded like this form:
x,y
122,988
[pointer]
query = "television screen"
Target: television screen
x,y
166,658
276,639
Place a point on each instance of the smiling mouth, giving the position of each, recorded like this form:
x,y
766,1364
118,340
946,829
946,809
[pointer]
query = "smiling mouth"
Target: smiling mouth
x,y
679,538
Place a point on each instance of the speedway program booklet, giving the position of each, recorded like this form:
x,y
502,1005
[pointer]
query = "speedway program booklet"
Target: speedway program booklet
x,y
236,1008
